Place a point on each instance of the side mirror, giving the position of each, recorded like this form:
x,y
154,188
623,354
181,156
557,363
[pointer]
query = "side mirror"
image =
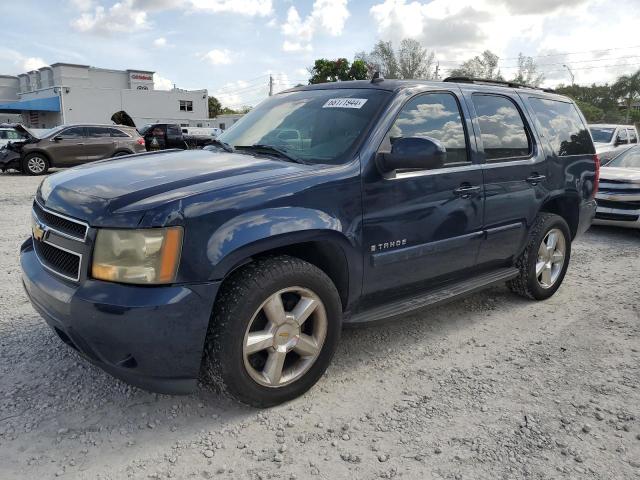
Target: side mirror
x,y
620,141
57,138
413,152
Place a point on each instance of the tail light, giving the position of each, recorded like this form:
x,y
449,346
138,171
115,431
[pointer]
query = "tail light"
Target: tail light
x,y
596,176
140,141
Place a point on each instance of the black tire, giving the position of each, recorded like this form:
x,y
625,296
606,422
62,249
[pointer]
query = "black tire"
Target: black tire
x,y
527,283
240,297
29,164
120,154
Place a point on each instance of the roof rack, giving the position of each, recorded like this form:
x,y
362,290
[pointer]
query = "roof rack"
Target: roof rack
x,y
490,81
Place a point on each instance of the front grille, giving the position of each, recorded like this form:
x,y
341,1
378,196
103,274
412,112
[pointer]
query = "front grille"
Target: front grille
x,y
62,224
618,217
60,261
632,205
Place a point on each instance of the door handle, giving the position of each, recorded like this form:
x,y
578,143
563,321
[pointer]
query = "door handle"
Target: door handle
x,y
79,144
466,190
535,179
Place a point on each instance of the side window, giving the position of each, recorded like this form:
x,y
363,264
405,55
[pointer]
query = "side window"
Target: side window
x,y
13,135
114,132
633,137
174,130
501,128
622,138
434,116
73,132
97,132
4,134
562,126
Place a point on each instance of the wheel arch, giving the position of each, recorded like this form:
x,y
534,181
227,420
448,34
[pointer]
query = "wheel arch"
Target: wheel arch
x,y
313,235
39,151
566,206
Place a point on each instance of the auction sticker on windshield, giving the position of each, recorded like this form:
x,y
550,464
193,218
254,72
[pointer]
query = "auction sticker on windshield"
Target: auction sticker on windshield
x,y
345,103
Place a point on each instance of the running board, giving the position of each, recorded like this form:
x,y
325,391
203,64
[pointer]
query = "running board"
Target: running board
x,y
435,297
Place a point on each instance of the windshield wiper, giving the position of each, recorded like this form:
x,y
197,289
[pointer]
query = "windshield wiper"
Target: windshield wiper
x,y
280,152
225,146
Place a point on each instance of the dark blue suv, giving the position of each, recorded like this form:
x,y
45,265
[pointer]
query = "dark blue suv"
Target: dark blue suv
x,y
325,205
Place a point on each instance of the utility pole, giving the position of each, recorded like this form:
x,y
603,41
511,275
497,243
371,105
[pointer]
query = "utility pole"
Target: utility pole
x,y
571,74
437,69
270,85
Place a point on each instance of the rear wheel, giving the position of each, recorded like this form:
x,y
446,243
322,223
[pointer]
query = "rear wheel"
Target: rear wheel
x,y
545,260
274,330
120,154
35,164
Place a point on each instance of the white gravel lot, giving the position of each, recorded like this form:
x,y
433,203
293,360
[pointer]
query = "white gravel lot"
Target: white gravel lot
x,y
491,387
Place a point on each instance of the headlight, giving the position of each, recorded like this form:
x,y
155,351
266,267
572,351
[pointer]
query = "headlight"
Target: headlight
x,y
147,256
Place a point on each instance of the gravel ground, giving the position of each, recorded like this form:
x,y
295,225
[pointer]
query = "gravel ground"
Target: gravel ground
x,y
490,387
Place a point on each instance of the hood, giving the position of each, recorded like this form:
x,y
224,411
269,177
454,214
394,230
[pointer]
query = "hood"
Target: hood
x,y
618,174
30,133
127,184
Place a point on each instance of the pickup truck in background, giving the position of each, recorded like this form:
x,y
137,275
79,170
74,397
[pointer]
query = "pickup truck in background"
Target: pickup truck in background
x,y
163,136
611,140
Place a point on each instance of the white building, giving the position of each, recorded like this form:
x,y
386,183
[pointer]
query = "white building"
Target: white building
x,y
69,93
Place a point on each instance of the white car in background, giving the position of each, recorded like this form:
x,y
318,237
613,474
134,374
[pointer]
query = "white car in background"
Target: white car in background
x,y
611,140
202,131
618,196
9,134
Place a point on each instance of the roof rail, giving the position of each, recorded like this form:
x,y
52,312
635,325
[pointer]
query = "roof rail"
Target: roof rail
x,y
490,81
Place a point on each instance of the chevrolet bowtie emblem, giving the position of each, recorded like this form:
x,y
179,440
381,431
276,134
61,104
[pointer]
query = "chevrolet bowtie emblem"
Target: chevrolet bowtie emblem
x,y
283,334
39,232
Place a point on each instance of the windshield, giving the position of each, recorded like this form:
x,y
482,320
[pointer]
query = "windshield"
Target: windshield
x,y
315,126
602,134
628,159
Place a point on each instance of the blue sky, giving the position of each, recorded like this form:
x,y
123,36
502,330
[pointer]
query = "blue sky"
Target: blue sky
x,y
230,46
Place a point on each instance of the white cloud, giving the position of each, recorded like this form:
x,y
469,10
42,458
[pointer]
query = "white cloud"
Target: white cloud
x,y
161,83
218,57
327,16
288,46
33,63
243,7
82,5
121,17
160,42
458,30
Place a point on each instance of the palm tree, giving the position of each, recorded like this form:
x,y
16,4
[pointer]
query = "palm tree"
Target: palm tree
x,y
628,87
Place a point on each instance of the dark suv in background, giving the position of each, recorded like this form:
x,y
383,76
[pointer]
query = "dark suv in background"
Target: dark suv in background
x,y
69,145
241,264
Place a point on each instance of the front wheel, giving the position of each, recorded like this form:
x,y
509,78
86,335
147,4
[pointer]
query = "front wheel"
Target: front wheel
x,y
35,164
274,330
544,262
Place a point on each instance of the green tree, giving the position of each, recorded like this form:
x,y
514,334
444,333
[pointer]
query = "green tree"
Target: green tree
x,y
528,72
215,108
602,97
481,66
628,88
410,61
591,113
324,70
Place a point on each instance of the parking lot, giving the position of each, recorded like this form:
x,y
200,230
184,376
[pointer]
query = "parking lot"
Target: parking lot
x,y
490,387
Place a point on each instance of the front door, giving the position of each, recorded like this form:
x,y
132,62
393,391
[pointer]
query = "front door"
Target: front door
x,y
67,148
422,226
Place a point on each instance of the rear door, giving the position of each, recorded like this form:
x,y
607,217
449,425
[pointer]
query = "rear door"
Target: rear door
x,y
67,148
514,172
100,144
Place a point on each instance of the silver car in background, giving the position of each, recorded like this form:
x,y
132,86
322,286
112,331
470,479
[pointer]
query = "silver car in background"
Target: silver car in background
x,y
619,193
611,140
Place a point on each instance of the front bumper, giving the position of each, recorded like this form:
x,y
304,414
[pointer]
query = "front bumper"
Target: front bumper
x,y
151,337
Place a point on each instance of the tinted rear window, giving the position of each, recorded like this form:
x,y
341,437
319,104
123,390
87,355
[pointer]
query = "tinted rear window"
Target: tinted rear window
x,y
562,127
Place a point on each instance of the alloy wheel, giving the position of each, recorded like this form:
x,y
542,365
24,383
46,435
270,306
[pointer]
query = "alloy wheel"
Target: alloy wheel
x,y
36,165
285,337
551,256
